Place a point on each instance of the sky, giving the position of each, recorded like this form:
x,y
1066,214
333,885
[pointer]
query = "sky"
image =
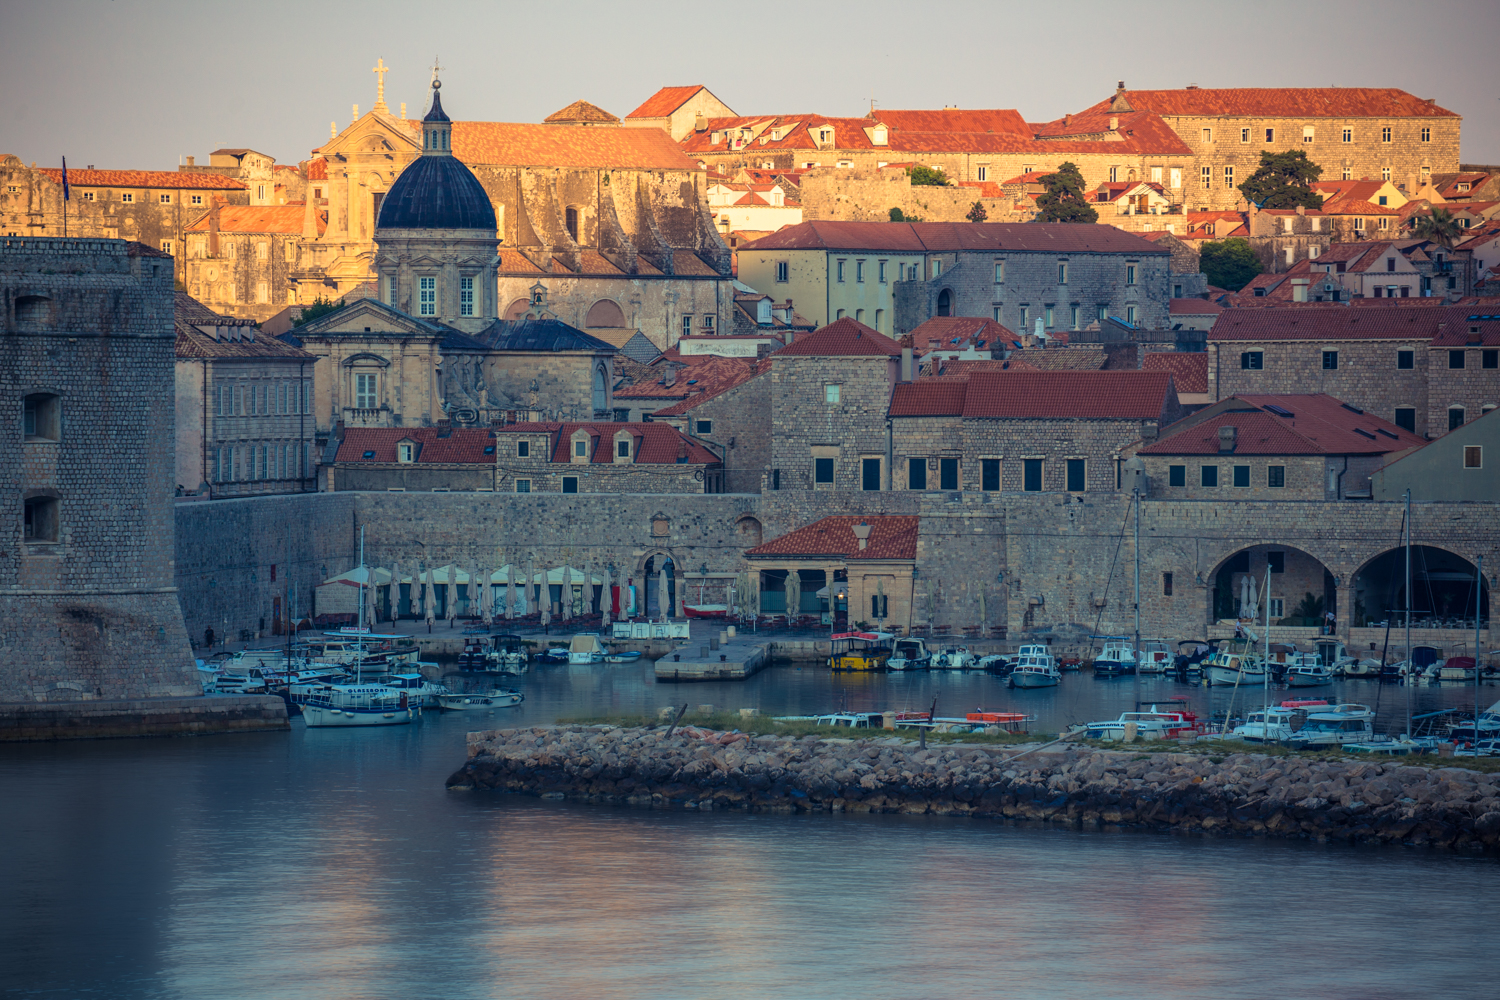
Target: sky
x,y
138,84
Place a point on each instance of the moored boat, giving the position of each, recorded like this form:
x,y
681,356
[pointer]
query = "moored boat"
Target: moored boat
x,y
1116,657
338,705
1334,726
860,651
1307,670
478,701
585,647
1234,664
1035,668
909,654
1152,725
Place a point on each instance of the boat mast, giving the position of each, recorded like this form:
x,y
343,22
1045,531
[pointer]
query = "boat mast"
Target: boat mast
x,y
1478,588
1135,651
1409,663
359,642
1265,660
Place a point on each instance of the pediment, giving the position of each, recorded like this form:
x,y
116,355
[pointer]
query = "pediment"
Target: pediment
x,y
372,126
365,317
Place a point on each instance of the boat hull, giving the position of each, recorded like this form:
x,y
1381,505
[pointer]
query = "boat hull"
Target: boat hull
x,y
1225,676
1020,680
1112,668
480,702
324,717
1308,680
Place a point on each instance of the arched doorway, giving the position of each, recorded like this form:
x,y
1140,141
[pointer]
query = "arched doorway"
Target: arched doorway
x,y
652,584
1442,590
945,303
1301,587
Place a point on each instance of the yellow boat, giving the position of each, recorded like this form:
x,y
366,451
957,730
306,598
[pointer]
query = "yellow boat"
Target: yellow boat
x,y
860,650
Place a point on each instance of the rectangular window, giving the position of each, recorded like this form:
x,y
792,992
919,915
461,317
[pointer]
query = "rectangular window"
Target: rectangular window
x,y
1073,315
1277,561
781,269
1406,418
523,449
1276,476
1307,133
937,268
1047,317
1242,475
1229,177
1270,135
1025,318
523,486
947,473
989,475
869,474
1208,135
427,296
1129,274
166,246
1130,314
1278,607
831,392
1330,361
1385,134
982,174
570,484
705,426
89,196
1176,475
364,392
622,449
880,271
1166,585
1406,360
466,296
1455,359
687,326
1031,475
1075,475
859,271
916,473
999,271
1473,456
1426,135
880,320
1489,359
581,449
1208,177
1455,417
859,315
1252,360
1348,135
127,198
840,270
1244,135
1062,272
1208,475
823,471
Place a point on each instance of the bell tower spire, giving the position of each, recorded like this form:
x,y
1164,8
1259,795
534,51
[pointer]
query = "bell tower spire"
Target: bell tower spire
x,y
437,130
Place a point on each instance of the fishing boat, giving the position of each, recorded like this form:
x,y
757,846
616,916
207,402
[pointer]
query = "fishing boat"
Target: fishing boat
x,y
1234,663
953,658
623,656
477,701
1035,668
851,720
1307,670
337,705
1484,748
585,648
860,651
1152,725
419,690
1454,668
996,663
1116,657
1334,726
909,654
1153,657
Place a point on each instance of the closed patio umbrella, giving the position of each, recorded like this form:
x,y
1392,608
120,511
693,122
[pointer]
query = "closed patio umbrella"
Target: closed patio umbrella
x,y
606,600
661,592
429,606
984,614
452,608
545,597
510,590
793,594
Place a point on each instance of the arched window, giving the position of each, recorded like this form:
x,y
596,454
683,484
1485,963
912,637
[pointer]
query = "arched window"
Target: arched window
x,y
601,390
945,303
605,312
570,216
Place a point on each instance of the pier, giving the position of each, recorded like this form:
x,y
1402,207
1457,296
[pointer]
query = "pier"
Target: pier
x,y
718,661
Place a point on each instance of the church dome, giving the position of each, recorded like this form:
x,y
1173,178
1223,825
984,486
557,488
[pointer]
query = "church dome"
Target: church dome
x,y
436,191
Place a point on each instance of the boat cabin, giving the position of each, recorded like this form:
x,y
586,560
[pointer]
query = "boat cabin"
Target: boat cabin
x,y
861,650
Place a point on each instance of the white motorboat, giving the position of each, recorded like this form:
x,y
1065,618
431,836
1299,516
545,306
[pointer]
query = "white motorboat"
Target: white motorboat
x,y
1277,723
1335,726
479,701
509,656
909,654
953,658
418,689
622,657
1154,657
1115,658
333,705
1307,670
1152,725
586,648
1385,746
1355,667
1035,668
1488,727
995,663
1234,664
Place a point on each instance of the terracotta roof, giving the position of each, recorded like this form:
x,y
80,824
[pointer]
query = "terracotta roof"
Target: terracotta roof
x,y
968,366
843,338
1189,371
1469,318
260,219
704,373
654,444
1118,395
929,397
1065,359
1194,307
438,445
1318,424
892,536
1141,131
984,237
1353,206
317,169
715,387
1339,323
997,120
1279,102
953,332
581,111
526,144
135,248
143,179
665,101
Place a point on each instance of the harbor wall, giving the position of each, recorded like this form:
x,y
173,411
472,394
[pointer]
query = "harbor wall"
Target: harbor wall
x,y
1249,795
102,719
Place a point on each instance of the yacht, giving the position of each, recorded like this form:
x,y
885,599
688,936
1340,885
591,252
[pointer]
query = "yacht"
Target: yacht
x,y
418,689
1152,725
1154,657
1234,664
1034,668
1307,670
910,654
1116,658
329,705
1335,726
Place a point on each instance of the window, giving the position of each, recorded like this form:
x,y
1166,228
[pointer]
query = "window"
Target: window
x,y
1270,135
838,314
1072,309
1406,418
1075,475
1176,475
869,474
840,270
1229,177
166,246
1277,561
89,196
1244,135
1385,175
1277,607
1385,134
859,271
1129,274
822,472
1455,417
40,519
1252,360
570,484
41,417
1130,314
1156,175
1359,224
982,173
580,449
1489,359
1276,476
1176,175
916,473
127,198
1062,272
1455,359
687,326
364,392
1208,475
1047,316
708,323
880,271
1330,361
523,486
405,452
427,296
880,605
859,315
196,199
1025,317
1166,585
262,292
523,449
831,392
937,268
1103,312
1348,134
947,473
1242,475
622,416
1426,135
999,271
1208,135
466,296
989,474
775,479
1307,133
1208,177
781,269
1031,475
1406,360
1114,174
880,319
1348,173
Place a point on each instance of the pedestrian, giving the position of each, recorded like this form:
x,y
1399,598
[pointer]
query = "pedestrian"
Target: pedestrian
x,y
208,637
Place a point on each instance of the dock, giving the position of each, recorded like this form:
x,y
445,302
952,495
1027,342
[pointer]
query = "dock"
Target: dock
x,y
734,660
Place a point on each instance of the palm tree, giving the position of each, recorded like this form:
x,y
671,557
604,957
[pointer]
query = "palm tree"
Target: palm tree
x,y
1439,226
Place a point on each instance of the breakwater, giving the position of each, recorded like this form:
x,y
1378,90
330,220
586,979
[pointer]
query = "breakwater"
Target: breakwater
x,y
1244,794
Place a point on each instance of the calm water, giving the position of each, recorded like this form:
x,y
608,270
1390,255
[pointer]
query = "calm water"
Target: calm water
x,y
332,863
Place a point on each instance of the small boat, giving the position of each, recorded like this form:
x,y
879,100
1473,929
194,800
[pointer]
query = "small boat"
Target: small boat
x,y
1152,725
996,663
418,689
705,610
1335,726
1035,668
1234,664
1307,670
554,654
1355,667
1484,748
1454,668
337,705
1010,722
585,648
1488,727
860,650
1154,657
851,720
629,656
505,698
509,654
1385,746
909,654
953,658
1277,723
1115,659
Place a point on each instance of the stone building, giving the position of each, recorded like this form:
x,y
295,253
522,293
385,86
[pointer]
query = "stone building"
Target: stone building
x,y
87,588
1281,447
241,258
415,459
864,564
829,394
544,366
266,182
897,275
1463,369
245,423
732,415
675,110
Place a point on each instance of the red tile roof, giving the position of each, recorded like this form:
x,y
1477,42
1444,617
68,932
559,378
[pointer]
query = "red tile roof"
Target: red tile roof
x,y
1319,425
1277,102
143,179
1140,131
934,396
665,101
317,169
703,374
461,445
714,388
653,444
1336,322
843,338
260,219
581,111
952,332
996,120
985,237
526,144
892,536
1189,371
1098,395
968,366
1194,307
188,314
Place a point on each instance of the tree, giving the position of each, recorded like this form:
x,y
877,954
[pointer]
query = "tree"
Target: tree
x,y
1438,225
1282,181
1063,199
320,307
899,216
977,213
1229,264
927,176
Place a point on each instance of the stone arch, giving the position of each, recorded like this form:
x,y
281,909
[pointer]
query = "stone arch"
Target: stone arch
x,y
605,312
1301,573
1442,586
648,570
34,313
516,311
945,302
749,531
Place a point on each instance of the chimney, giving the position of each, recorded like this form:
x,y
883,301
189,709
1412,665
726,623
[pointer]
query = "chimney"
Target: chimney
x,y
671,375
1114,124
1068,118
1475,337
1226,440
862,532
1301,209
403,111
906,364
700,123
190,161
1299,289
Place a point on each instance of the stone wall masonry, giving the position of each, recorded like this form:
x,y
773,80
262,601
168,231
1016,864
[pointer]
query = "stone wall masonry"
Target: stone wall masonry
x,y
869,195
1471,388
1243,794
803,420
143,717
1302,475
740,422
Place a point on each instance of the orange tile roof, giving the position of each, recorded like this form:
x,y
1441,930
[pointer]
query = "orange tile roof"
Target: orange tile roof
x,y
317,169
143,179
843,338
1140,130
1318,424
996,120
1189,371
1275,102
1096,395
460,445
952,332
961,367
260,219
526,144
715,387
665,101
580,111
985,237
704,373
933,396
1194,307
654,444
892,536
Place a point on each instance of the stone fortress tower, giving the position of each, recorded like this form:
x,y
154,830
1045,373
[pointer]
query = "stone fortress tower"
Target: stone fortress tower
x,y
436,249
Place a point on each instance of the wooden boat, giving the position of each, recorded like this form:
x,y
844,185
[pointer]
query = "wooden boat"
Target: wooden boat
x,y
1035,668
476,701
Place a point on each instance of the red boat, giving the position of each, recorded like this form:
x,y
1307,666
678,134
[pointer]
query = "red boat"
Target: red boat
x,y
705,610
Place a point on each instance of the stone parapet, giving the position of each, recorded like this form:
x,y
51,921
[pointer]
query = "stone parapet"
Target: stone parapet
x,y
198,716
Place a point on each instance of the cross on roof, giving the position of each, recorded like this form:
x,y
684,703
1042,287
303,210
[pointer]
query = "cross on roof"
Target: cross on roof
x,y
380,70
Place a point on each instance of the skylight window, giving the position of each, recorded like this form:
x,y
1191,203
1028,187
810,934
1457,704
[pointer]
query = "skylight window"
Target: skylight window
x,y
1281,411
369,454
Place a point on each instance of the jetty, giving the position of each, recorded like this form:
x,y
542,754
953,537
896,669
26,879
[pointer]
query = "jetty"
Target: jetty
x,y
720,660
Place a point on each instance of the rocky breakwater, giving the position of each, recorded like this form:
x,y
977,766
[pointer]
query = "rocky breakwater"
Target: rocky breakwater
x,y
1239,795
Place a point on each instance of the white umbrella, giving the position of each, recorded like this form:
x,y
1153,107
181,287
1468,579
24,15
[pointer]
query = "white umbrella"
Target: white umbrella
x,y
393,593
565,605
544,597
452,592
661,592
370,596
793,594
530,594
428,604
984,615
605,600
487,597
